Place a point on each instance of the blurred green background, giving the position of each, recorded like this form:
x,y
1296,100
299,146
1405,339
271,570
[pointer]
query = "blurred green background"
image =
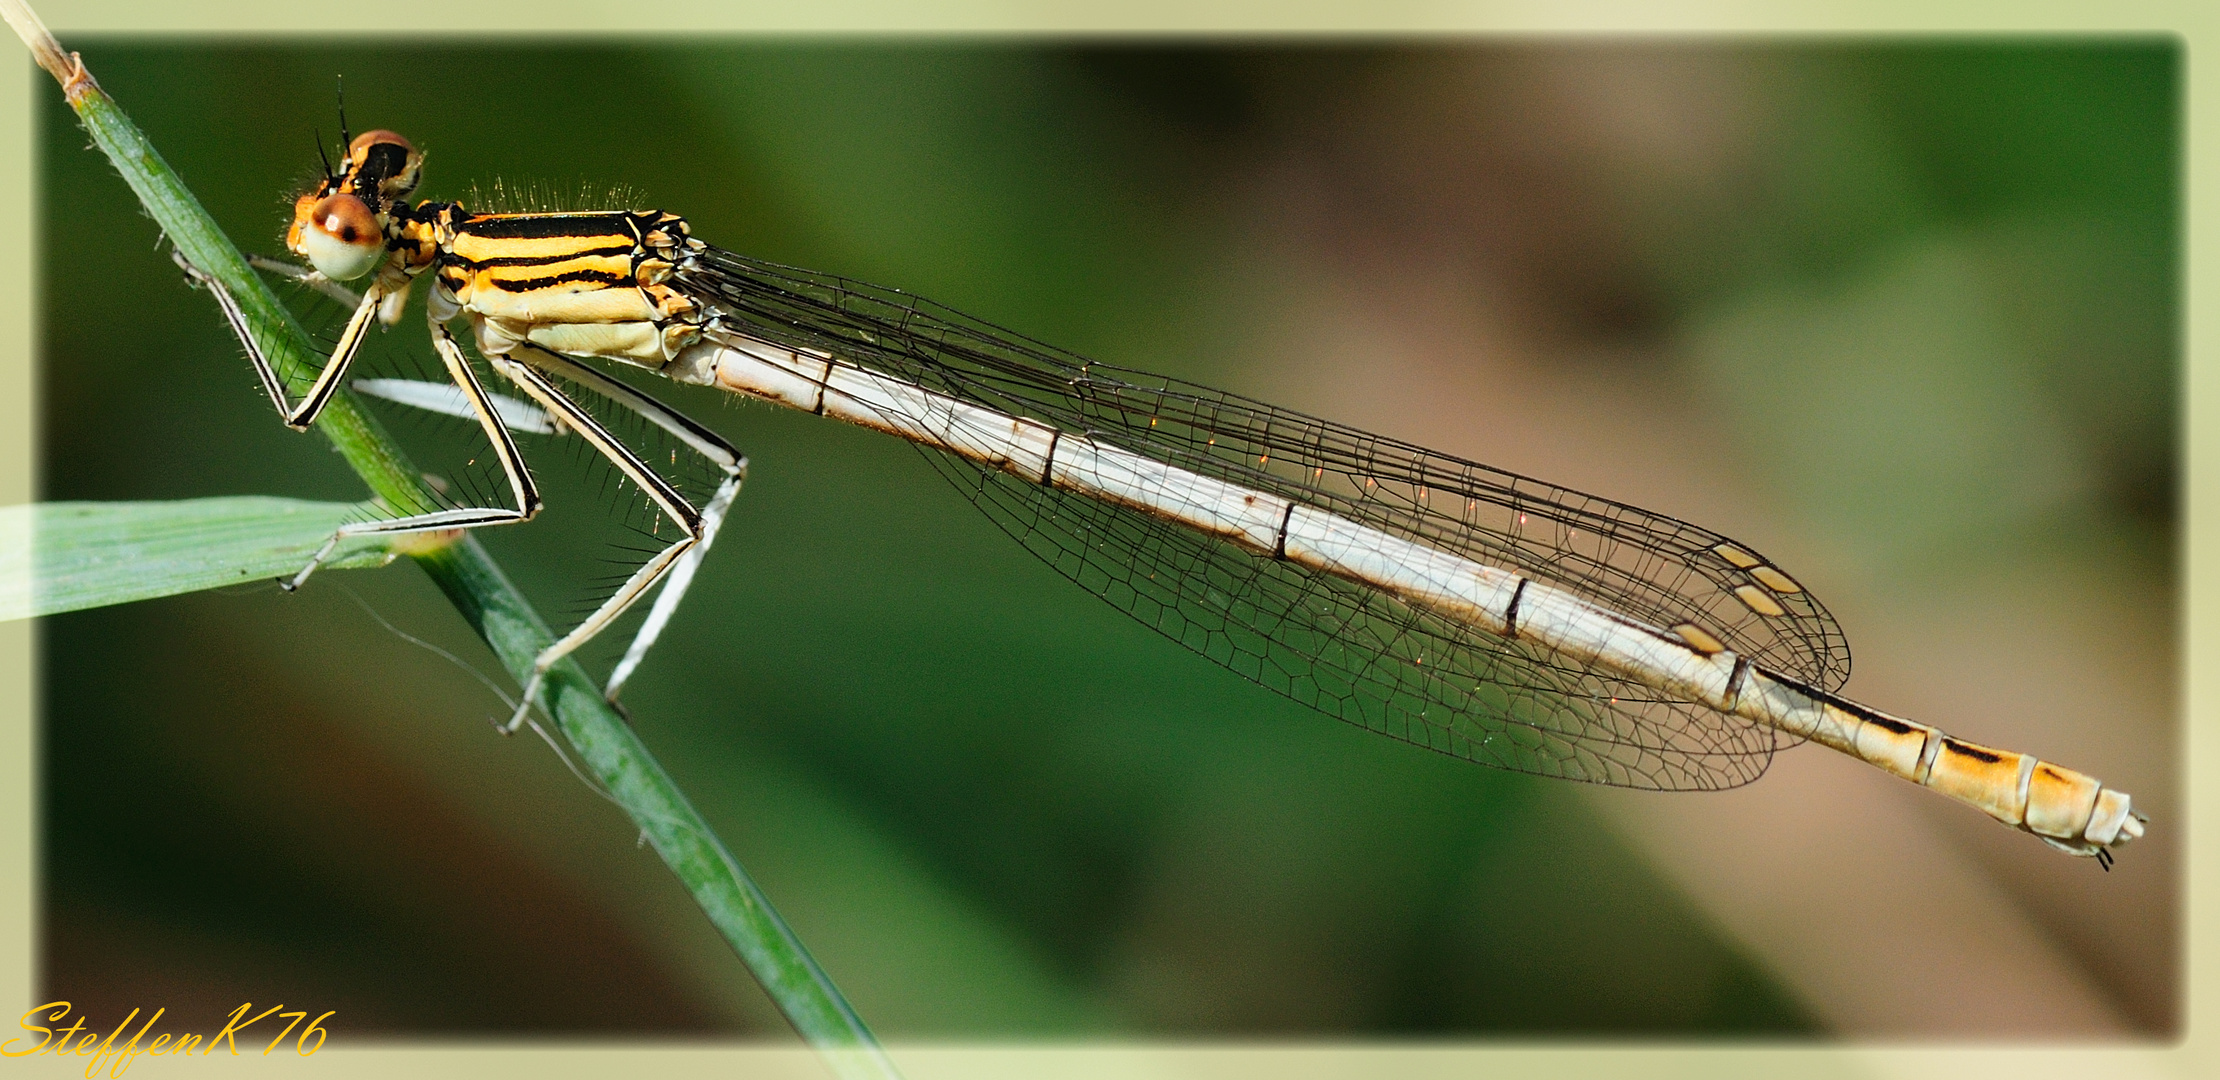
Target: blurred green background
x,y
1901,315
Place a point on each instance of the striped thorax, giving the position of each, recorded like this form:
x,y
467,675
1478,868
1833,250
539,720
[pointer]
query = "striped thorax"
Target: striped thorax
x,y
579,284
582,284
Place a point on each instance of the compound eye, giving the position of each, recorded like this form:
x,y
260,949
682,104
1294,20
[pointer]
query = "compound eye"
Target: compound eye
x,y
369,138
383,164
340,237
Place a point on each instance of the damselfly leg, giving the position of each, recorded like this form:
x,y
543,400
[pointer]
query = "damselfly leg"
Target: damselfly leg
x,y
299,416
528,366
354,225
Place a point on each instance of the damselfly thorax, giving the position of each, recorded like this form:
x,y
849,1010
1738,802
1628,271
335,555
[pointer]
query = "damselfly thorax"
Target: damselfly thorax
x,y
583,284
1473,611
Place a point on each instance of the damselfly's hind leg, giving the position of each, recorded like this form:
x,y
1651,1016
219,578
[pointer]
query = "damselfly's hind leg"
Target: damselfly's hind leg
x,y
527,366
299,416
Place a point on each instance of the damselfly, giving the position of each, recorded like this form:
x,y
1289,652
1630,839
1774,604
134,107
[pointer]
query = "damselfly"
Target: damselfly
x,y
1438,601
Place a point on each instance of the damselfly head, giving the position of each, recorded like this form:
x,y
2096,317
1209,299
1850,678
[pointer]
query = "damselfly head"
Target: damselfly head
x,y
340,226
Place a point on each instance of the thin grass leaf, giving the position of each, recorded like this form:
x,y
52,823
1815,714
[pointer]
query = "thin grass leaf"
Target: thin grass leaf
x,y
606,745
57,557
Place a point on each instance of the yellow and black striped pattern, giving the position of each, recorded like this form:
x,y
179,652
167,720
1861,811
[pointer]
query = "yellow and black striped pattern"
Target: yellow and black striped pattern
x,y
591,284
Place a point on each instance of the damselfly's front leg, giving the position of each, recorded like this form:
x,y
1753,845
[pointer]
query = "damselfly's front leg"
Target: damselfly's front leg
x,y
300,416
527,366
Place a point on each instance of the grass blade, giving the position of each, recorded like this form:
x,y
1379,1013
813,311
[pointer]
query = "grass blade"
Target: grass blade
x,y
57,557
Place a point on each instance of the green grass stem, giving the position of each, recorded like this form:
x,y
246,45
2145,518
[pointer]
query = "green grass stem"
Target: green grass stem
x,y
605,744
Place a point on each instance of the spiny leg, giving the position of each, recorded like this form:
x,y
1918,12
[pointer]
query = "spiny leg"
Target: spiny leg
x,y
521,416
504,450
689,520
674,587
726,457
298,415
237,320
327,383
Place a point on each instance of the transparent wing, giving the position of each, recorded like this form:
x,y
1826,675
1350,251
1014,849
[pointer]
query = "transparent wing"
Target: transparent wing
x,y
1345,649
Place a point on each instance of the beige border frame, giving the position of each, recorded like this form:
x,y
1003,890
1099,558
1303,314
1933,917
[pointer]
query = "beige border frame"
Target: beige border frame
x,y
2199,26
